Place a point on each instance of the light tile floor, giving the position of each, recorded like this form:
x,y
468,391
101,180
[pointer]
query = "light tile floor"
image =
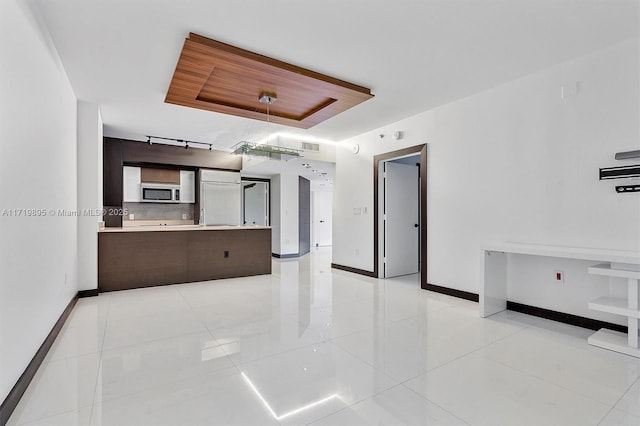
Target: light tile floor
x,y
312,345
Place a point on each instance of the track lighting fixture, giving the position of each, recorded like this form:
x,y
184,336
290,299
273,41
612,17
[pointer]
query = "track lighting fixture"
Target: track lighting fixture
x,y
187,144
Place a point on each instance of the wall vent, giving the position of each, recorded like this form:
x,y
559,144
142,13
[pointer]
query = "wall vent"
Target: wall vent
x,y
310,146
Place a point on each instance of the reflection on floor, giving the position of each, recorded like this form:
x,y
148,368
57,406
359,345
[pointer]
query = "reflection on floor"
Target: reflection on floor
x,y
309,344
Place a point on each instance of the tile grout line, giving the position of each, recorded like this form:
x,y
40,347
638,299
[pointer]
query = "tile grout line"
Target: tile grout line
x,y
436,404
613,407
202,322
104,337
542,378
472,351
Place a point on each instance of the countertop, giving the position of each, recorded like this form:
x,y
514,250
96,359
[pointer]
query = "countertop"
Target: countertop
x,y
156,228
581,253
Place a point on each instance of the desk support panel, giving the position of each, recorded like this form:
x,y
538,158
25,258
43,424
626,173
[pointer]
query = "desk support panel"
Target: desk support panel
x,y
493,295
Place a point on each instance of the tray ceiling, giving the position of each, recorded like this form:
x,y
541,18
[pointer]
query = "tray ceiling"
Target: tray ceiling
x,y
218,77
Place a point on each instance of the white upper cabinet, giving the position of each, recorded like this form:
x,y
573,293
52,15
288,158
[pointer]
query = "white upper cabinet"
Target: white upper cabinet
x,y
131,185
187,186
219,176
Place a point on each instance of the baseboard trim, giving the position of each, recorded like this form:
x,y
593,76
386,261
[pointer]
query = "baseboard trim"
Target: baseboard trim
x,y
570,319
460,294
285,256
11,401
353,270
88,293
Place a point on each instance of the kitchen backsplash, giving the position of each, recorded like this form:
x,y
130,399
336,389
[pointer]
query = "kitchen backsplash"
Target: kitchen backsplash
x,y
159,211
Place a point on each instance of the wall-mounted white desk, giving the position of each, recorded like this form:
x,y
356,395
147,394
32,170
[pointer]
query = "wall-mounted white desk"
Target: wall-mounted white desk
x,y
613,263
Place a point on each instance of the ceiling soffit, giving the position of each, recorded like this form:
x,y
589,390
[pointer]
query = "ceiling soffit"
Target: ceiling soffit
x,y
218,77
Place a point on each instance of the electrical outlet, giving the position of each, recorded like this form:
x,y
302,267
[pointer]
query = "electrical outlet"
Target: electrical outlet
x,y
131,216
559,276
184,216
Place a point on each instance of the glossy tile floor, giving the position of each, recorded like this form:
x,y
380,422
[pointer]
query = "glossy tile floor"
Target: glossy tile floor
x,y
311,345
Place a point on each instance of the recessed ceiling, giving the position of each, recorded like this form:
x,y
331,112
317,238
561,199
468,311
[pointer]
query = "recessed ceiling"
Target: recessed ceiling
x,y
414,55
217,77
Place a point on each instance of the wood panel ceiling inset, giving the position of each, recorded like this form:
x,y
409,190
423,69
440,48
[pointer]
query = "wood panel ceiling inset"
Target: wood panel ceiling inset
x,y
218,77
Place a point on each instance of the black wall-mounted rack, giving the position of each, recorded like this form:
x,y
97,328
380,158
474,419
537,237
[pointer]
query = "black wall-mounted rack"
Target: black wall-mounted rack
x,y
620,172
627,188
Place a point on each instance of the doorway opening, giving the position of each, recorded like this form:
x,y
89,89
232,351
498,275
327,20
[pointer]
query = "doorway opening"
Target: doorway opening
x,y
400,213
255,201
321,215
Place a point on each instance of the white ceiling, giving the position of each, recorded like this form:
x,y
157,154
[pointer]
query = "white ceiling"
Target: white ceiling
x,y
321,173
414,55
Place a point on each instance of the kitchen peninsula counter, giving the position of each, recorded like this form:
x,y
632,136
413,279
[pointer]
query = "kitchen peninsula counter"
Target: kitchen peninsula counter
x,y
145,256
152,228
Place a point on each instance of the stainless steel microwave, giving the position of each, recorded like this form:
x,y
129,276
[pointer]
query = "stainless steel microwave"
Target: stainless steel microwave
x,y
160,193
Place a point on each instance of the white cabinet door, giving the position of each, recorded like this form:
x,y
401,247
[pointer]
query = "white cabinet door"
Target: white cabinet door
x,y
219,176
187,186
220,203
131,192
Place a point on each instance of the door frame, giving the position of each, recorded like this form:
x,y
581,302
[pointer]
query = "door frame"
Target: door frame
x,y
418,149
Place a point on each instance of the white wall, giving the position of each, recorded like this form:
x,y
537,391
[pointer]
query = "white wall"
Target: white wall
x,y
275,214
89,192
284,214
514,163
353,188
38,255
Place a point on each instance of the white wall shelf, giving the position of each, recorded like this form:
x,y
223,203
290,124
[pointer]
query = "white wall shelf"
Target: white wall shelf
x,y
614,305
629,307
619,271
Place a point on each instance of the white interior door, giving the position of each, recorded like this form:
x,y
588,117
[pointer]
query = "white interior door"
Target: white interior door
x,y
321,216
402,209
